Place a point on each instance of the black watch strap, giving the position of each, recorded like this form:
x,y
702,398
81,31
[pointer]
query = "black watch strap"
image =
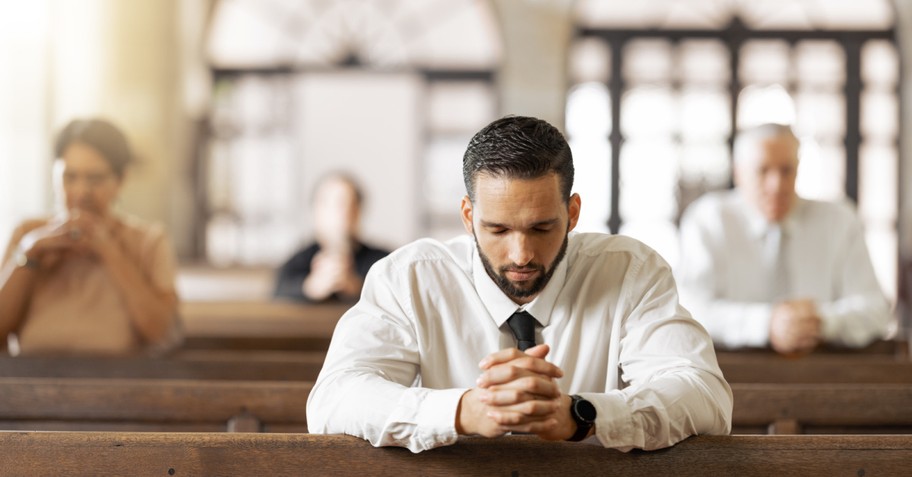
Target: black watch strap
x,y
583,413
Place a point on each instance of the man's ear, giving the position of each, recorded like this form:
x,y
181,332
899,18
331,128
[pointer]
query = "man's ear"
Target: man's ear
x,y
466,215
573,210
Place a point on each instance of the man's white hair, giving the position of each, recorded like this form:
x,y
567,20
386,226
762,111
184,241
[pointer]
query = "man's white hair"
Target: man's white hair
x,y
748,140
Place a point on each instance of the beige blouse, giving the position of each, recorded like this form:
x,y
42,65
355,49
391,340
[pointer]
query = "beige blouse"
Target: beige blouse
x,y
76,309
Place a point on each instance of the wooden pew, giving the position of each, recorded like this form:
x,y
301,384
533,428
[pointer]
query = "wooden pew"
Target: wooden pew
x,y
202,365
152,405
821,408
892,349
158,404
752,368
181,454
259,325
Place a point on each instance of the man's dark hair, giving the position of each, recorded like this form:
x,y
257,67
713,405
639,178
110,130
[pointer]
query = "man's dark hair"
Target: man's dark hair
x,y
101,135
518,147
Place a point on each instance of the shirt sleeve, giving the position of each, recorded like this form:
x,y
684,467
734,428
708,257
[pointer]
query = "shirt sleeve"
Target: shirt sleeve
x,y
732,324
672,386
369,386
861,314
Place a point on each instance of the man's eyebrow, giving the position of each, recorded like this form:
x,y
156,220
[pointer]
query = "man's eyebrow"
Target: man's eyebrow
x,y
541,223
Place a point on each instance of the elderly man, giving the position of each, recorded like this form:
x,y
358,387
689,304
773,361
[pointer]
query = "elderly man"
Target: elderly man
x,y
761,266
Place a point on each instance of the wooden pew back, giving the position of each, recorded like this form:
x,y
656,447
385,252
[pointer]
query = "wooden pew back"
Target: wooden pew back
x,y
259,325
152,405
895,348
829,369
203,365
160,404
822,408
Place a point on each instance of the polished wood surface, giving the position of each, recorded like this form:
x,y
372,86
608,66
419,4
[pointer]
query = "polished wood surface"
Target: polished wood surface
x,y
271,325
163,404
747,368
151,404
201,364
181,454
897,349
822,408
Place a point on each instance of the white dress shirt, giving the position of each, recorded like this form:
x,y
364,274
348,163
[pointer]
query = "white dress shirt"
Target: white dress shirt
x,y
724,271
403,356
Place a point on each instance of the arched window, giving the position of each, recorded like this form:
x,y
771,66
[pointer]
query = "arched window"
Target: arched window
x,y
390,91
676,79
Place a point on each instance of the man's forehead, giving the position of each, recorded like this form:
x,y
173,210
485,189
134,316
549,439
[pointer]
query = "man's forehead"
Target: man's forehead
x,y
518,202
775,150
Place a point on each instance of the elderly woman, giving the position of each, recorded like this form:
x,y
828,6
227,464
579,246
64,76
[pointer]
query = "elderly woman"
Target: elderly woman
x,y
89,280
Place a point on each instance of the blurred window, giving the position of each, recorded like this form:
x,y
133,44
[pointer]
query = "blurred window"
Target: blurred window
x,y
390,91
658,88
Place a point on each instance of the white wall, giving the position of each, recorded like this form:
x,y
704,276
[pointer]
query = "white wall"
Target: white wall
x,y
364,123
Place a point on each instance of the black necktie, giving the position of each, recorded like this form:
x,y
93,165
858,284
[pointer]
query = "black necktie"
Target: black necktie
x,y
523,327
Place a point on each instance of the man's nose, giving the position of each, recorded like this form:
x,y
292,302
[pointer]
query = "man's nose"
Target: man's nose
x,y
773,182
520,252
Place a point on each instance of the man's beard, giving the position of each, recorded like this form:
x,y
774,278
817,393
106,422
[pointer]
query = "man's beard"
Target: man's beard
x,y
535,287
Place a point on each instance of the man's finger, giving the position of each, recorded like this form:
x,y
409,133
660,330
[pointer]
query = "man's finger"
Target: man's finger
x,y
517,369
522,390
499,357
522,414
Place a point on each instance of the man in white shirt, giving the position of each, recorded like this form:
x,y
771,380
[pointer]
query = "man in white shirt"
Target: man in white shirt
x,y
429,352
761,266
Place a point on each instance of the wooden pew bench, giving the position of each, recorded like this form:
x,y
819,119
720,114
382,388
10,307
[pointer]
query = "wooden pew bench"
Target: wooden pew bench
x,y
189,405
182,454
202,365
822,408
152,405
893,349
273,406
748,368
259,325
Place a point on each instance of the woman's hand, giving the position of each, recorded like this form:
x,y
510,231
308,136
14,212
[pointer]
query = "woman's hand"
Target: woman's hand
x,y
80,234
48,245
90,234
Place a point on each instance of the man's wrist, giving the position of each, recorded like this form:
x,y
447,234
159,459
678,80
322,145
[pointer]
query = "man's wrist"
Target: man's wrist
x,y
25,262
463,420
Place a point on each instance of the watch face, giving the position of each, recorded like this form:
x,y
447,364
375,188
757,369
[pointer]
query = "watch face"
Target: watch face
x,y
585,410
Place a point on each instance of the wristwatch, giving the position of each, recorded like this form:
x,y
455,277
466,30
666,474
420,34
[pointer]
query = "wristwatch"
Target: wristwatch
x,y
583,413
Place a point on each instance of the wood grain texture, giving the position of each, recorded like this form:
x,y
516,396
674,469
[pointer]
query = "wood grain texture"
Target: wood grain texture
x,y
270,366
160,404
840,405
50,403
270,325
833,369
177,454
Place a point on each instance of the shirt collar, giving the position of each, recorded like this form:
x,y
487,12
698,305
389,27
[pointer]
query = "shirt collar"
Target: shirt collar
x,y
757,224
500,307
